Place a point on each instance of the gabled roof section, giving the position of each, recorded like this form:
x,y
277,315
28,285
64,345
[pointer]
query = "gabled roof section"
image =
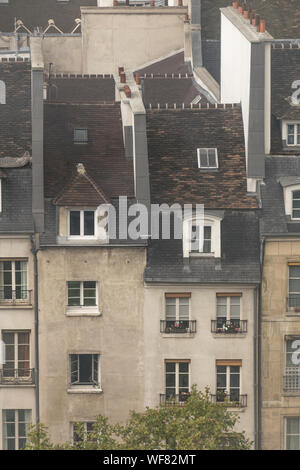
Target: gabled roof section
x,y
81,191
173,139
282,17
36,13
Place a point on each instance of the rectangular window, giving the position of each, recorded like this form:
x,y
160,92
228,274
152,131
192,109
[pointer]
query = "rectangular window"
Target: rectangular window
x,y
84,369
292,433
82,223
177,311
228,311
17,354
207,158
292,367
228,383
80,136
81,431
82,294
294,286
13,281
201,244
296,205
293,134
15,425
177,380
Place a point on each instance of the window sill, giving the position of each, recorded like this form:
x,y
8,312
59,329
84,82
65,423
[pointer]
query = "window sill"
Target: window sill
x,y
83,312
202,255
85,390
229,335
178,335
16,306
291,394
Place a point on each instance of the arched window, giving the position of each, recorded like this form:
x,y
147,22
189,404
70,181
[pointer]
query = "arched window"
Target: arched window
x,y
202,237
2,92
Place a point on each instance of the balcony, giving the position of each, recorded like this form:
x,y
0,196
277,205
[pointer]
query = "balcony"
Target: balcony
x,y
291,379
171,400
293,303
231,327
15,297
17,377
232,400
176,327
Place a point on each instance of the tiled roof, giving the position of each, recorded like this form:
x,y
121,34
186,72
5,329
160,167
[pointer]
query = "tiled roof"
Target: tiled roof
x,y
171,65
36,13
173,139
103,155
74,89
282,17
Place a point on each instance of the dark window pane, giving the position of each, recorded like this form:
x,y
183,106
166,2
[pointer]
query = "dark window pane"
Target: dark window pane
x,y
74,222
89,228
85,368
183,367
170,366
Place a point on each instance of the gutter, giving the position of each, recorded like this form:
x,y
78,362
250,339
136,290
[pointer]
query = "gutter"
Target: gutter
x,y
34,251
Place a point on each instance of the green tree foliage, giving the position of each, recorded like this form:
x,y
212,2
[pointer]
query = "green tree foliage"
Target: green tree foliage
x,y
199,424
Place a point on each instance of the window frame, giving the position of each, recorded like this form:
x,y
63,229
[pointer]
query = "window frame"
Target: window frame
x,y
16,422
177,373
14,285
212,221
77,141
286,434
208,167
293,293
295,134
228,388
16,359
94,384
288,199
77,310
81,236
85,430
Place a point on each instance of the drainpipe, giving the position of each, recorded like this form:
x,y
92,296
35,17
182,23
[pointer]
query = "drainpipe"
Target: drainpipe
x,y
34,251
258,373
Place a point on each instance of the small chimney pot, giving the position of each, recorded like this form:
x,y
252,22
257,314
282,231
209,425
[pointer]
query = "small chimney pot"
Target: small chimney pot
x,y
122,77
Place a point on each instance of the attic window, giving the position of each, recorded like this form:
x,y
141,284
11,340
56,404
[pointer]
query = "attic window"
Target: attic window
x,y
293,133
80,136
207,158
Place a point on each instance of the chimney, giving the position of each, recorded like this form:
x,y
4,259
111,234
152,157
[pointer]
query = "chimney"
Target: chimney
x,y
262,26
122,77
152,3
137,79
120,70
127,91
235,4
180,3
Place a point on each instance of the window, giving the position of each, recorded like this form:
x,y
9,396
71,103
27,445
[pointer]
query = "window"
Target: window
x,y
17,354
228,313
82,223
202,236
292,433
2,92
296,205
82,294
292,365
84,369
80,136
293,134
81,431
292,199
207,158
15,424
13,281
4,1
177,311
228,381
294,287
177,380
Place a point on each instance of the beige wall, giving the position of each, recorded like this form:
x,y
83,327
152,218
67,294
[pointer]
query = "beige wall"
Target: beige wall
x,y
117,334
65,53
129,37
277,322
18,318
203,348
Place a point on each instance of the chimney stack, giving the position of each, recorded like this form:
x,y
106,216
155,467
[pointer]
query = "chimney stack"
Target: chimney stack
x,y
137,79
122,77
262,26
127,91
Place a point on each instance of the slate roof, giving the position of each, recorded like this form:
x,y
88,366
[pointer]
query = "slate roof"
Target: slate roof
x,y
173,139
211,56
173,64
36,13
103,156
77,90
282,17
239,262
273,218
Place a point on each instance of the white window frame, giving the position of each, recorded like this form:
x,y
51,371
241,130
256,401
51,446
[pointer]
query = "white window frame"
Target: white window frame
x,y
288,199
177,373
209,220
84,388
81,236
17,421
207,167
81,141
13,283
228,380
228,297
285,124
78,310
84,424
16,349
177,300
285,430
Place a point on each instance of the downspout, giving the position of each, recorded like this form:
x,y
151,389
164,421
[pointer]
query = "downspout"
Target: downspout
x,y
259,315
34,251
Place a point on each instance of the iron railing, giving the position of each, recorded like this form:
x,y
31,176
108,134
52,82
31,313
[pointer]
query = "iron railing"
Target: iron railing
x,y
15,297
291,379
180,326
170,400
21,376
229,326
238,401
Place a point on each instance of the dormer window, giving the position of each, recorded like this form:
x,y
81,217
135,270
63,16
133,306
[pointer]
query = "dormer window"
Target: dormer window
x,y
207,158
2,92
82,223
296,204
202,237
291,198
80,136
293,134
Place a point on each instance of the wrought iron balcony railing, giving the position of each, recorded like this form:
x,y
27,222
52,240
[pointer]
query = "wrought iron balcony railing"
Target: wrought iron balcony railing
x,y
15,297
17,376
170,400
231,400
293,303
291,379
229,326
180,326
